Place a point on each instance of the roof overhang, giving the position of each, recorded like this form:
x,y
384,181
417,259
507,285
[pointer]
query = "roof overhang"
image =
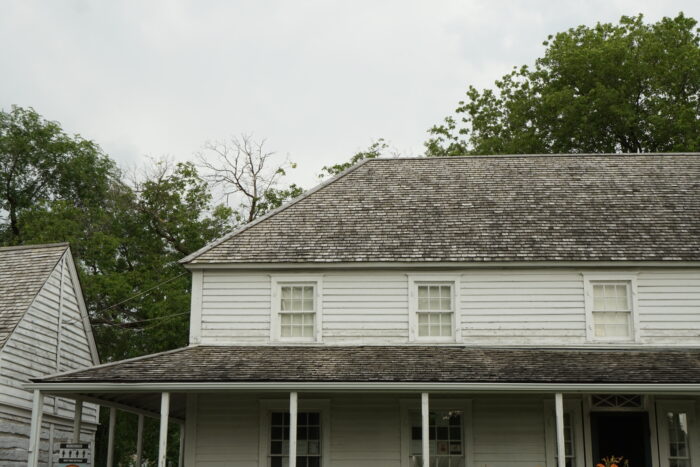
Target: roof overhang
x,y
448,265
393,387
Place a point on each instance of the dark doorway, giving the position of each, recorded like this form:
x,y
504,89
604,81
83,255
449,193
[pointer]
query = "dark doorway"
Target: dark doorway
x,y
621,434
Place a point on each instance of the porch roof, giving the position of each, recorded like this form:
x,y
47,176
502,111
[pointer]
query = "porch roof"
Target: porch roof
x,y
398,364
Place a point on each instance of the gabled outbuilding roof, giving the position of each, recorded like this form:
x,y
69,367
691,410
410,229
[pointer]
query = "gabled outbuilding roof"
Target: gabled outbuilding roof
x,y
484,209
23,272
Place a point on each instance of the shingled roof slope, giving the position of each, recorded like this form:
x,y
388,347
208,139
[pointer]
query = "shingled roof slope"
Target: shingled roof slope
x,y
23,272
439,364
484,209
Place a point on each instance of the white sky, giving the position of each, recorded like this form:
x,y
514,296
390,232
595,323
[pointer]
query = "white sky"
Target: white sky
x,y
318,79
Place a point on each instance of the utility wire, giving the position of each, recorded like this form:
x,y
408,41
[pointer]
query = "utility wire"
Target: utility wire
x,y
75,321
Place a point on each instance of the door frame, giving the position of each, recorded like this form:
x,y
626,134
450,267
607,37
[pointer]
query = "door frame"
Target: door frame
x,y
648,406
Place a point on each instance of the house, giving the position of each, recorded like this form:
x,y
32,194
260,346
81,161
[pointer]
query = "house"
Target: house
x,y
44,329
504,311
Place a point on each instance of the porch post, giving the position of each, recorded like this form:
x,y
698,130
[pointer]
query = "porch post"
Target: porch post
x,y
139,441
559,412
35,430
110,436
293,406
425,428
77,420
163,441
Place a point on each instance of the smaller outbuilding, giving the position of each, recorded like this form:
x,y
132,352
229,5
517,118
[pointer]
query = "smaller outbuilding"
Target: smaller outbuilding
x,y
44,329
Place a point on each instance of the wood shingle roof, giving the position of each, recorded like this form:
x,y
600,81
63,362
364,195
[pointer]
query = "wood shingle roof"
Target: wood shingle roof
x,y
435,364
486,210
23,272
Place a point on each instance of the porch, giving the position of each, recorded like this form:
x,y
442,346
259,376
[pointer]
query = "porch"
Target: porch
x,y
320,421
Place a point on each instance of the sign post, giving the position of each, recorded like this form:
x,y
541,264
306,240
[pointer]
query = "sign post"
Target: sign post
x,y
74,455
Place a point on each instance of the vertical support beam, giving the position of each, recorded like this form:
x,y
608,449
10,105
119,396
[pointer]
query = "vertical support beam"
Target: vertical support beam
x,y
559,413
139,441
163,440
35,429
425,427
293,410
77,420
110,436
181,457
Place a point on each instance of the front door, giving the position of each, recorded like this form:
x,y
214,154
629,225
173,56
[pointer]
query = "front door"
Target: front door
x,y
623,434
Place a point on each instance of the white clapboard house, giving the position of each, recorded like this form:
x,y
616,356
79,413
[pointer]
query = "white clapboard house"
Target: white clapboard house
x,y
515,311
44,329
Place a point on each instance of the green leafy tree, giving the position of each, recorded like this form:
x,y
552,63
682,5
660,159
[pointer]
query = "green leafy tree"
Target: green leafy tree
x,y
627,87
46,173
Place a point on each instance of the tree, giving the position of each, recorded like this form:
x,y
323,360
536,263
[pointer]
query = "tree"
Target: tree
x,y
244,170
42,169
627,87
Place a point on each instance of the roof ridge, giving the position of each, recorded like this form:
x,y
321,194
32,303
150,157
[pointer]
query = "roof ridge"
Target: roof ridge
x,y
561,154
38,246
275,211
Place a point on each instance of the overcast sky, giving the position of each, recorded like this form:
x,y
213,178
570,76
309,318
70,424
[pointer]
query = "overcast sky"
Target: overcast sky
x,y
318,79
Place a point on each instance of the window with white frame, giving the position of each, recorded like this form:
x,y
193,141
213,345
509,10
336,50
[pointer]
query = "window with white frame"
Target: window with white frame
x,y
295,311
610,307
434,310
612,310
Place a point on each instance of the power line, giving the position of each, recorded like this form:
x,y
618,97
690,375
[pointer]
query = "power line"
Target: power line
x,y
75,321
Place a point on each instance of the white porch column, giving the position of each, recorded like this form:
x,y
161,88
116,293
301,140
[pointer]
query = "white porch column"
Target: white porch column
x,y
163,441
293,406
559,413
139,441
425,428
35,429
110,436
77,420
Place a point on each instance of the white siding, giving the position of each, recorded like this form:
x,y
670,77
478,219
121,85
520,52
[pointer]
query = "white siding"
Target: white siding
x,y
365,431
508,432
669,307
523,307
497,307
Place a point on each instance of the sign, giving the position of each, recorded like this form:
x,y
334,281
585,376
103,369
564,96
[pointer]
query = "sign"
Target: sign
x,y
74,455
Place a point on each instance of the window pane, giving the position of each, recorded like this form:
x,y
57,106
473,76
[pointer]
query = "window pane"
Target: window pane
x,y
611,297
434,324
611,324
434,297
298,325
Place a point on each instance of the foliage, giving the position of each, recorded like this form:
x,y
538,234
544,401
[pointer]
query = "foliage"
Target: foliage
x,y
376,149
44,171
627,87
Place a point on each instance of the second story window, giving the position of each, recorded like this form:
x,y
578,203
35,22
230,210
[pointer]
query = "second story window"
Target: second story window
x,y
433,309
296,309
610,309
